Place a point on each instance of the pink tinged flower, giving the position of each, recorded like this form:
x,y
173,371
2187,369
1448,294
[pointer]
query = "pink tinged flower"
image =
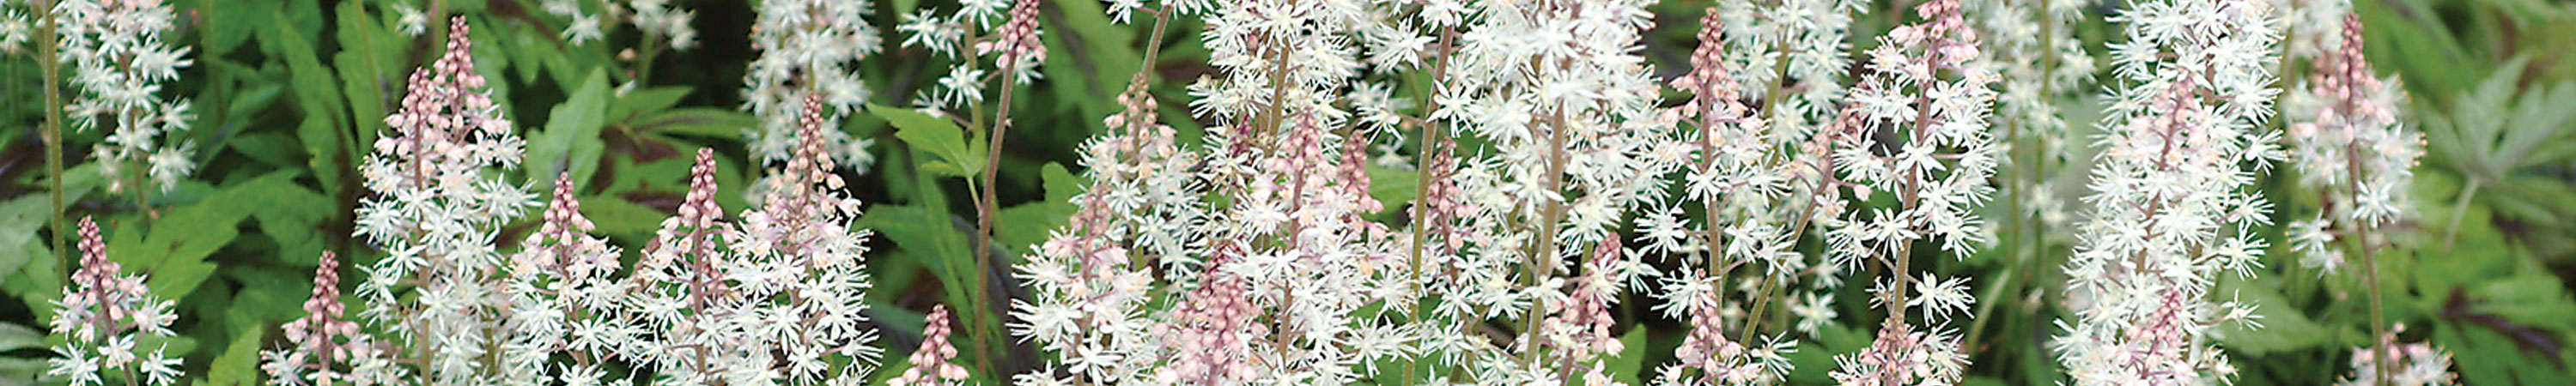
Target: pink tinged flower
x,y
930,362
1213,329
1017,40
2355,147
319,339
2410,364
1587,309
105,314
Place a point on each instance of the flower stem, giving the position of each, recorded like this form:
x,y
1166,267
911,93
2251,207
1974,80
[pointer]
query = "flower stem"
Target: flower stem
x,y
46,42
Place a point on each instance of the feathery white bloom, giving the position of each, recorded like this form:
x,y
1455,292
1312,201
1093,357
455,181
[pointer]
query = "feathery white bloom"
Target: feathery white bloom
x,y
592,20
2346,140
119,61
973,42
1919,133
807,49
561,300
797,270
2041,63
2180,149
16,29
1560,93
440,293
101,317
2414,364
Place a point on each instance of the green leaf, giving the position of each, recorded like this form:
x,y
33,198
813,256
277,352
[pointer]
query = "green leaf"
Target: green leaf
x,y
239,364
371,65
228,26
1390,186
257,97
323,133
1104,57
571,138
2491,358
269,295
2480,251
1061,184
669,174
2284,328
652,99
174,251
293,18
287,213
14,337
1031,223
924,232
2529,297
947,144
20,218
174,254
274,149
1630,365
20,370
616,216
696,121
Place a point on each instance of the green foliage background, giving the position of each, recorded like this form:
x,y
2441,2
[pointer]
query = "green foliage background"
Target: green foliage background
x,y
290,93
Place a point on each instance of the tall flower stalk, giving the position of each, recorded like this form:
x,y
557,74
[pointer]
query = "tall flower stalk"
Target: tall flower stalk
x,y
1559,92
2173,201
1929,91
976,30
930,361
807,48
112,326
969,34
797,272
326,348
2041,64
1091,281
2354,150
440,293
562,300
1742,187
119,62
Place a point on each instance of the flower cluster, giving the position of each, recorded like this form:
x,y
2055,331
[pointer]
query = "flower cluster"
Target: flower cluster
x,y
1551,179
1718,360
2351,145
441,292
930,361
561,299
2417,364
1738,179
2172,194
119,60
1278,278
324,348
2040,62
807,48
1795,52
977,30
592,20
2311,29
110,322
1928,90
1560,93
796,274
1091,280
676,286
774,297
16,28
